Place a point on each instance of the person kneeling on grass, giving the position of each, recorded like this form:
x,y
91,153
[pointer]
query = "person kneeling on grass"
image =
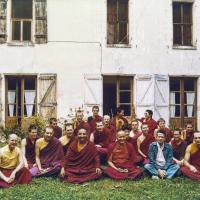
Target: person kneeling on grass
x,y
121,159
81,163
161,158
12,170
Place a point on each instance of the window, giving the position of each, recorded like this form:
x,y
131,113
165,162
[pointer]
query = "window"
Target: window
x,y
117,22
182,101
20,99
182,23
117,91
21,17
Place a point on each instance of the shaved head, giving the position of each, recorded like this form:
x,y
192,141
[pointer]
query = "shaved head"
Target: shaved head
x,y
12,136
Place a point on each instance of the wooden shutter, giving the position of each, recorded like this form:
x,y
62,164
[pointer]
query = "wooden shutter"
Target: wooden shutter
x,y
40,21
144,93
3,11
93,92
162,97
47,95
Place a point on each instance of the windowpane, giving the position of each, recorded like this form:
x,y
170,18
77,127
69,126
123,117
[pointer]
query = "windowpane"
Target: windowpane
x,y
189,85
175,85
22,9
176,12
125,83
175,111
123,10
16,30
187,13
26,31
29,84
123,37
12,83
112,11
187,35
189,111
125,97
177,34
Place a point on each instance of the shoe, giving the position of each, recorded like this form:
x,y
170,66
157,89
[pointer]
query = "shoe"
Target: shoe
x,y
155,177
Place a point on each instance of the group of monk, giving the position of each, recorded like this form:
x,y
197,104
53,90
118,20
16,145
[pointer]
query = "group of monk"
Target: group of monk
x,y
100,146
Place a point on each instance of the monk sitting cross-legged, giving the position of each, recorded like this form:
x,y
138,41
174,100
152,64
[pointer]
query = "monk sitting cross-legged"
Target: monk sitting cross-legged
x,y
121,159
11,165
191,166
81,163
28,147
49,153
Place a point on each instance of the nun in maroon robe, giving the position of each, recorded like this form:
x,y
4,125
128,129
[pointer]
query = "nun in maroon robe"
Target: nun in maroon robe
x,y
121,157
81,162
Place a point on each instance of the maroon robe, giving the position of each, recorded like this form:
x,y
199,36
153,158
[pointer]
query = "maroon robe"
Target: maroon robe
x,y
188,136
178,149
122,158
77,126
112,131
152,124
81,166
195,161
92,122
65,147
50,157
30,152
57,132
23,176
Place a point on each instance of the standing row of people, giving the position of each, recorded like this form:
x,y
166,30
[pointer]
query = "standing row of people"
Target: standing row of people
x,y
78,155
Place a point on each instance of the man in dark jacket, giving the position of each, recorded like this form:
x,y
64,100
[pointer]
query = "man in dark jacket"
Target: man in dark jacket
x,y
161,158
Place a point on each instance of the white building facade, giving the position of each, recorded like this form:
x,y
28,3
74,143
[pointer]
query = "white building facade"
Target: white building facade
x,y
64,54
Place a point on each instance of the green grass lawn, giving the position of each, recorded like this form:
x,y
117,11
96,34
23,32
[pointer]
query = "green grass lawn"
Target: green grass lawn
x,y
52,189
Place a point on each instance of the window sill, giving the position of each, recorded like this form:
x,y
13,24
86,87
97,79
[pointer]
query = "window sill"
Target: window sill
x,y
119,45
20,44
184,47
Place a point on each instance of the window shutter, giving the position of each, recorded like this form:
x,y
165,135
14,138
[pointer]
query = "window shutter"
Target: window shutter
x,y
47,95
40,21
144,94
162,97
93,93
3,10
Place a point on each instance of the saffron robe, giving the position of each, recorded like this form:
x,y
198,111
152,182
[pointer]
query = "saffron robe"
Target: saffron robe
x,y
116,122
195,161
92,122
179,149
50,157
57,132
9,161
122,157
81,166
152,124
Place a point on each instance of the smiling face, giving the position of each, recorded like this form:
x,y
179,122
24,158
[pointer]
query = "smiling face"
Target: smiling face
x,y
121,137
134,126
160,138
99,127
189,128
145,129
197,138
48,135
69,131
33,134
79,116
177,135
12,141
82,136
106,120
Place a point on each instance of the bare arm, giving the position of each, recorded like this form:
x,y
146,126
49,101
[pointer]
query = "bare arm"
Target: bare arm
x,y
110,163
23,149
138,146
21,163
2,176
92,138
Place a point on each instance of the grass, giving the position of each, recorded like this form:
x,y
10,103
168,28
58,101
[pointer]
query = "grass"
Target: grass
x,y
52,189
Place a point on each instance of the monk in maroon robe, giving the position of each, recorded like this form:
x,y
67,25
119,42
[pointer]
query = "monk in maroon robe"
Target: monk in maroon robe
x,y
57,131
81,162
191,166
80,123
111,128
188,133
152,124
49,153
161,126
28,147
119,120
101,138
12,171
94,118
143,142
120,160
68,138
